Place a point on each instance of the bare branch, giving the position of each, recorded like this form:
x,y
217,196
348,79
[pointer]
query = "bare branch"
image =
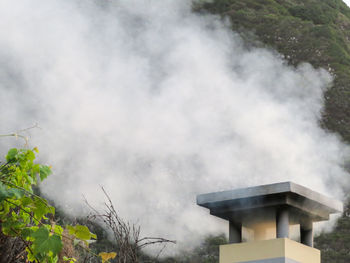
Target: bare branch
x,y
126,234
19,133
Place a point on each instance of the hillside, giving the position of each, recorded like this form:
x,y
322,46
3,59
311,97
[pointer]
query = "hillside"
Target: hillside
x,y
140,97
314,31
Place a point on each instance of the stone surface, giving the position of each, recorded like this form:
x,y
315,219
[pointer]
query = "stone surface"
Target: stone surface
x,y
304,204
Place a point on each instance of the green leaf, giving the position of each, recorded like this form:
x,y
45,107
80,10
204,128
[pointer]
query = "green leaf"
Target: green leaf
x,y
3,192
45,171
58,230
45,243
30,256
36,168
30,155
25,217
12,155
41,208
31,180
55,244
40,235
17,193
12,228
81,232
71,229
26,201
27,233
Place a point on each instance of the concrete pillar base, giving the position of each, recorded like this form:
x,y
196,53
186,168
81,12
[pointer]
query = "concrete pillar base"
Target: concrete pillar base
x,y
269,251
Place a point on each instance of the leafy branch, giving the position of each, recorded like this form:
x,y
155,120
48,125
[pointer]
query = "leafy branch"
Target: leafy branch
x,y
29,217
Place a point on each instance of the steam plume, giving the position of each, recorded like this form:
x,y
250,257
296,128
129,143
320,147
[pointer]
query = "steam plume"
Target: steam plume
x,y
159,104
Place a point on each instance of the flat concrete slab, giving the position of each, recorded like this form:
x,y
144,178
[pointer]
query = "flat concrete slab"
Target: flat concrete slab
x,y
303,202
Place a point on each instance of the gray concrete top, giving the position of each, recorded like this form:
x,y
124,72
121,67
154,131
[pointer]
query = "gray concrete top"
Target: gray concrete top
x,y
233,203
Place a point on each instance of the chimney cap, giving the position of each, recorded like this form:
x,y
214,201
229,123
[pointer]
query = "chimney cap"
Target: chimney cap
x,y
234,205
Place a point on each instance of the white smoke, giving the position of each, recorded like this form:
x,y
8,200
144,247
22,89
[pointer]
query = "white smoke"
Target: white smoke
x,y
158,105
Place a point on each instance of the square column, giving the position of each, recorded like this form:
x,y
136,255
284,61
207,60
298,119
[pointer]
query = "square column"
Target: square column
x,y
235,232
282,222
279,250
307,233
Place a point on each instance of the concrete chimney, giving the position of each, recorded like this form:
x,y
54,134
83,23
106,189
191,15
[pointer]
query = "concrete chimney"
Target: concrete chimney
x,y
263,219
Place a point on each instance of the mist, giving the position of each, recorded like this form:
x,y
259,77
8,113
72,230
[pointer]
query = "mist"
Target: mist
x,y
158,104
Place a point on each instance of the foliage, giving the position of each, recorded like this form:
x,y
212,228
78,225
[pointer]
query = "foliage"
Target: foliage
x,y
336,244
208,251
25,215
314,31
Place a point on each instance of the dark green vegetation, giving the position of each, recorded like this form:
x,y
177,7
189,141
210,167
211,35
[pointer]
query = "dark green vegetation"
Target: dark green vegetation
x,y
314,31
335,245
28,232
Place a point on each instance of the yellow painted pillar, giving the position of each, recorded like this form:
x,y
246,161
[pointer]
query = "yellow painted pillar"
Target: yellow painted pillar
x,y
280,250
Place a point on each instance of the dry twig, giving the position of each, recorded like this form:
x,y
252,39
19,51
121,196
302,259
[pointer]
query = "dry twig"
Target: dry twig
x,y
126,234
